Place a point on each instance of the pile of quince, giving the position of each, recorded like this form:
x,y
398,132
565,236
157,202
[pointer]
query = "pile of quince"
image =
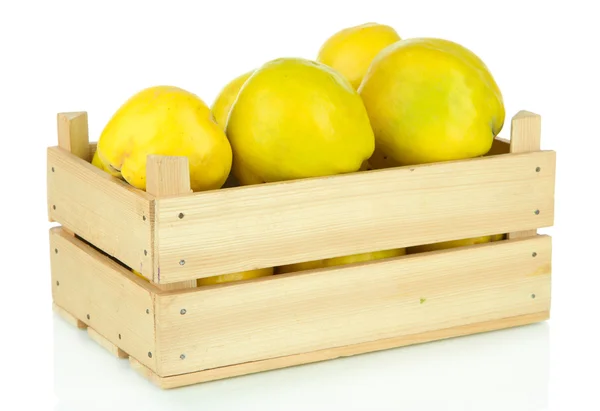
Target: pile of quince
x,y
368,100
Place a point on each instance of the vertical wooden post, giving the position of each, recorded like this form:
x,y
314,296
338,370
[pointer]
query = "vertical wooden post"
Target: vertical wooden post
x,y
73,133
73,136
168,176
525,136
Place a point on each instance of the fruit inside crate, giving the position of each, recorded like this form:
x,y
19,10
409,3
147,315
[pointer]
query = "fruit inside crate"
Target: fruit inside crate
x,y
287,319
318,209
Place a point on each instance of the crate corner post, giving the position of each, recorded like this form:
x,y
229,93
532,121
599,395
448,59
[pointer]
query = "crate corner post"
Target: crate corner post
x,y
73,133
167,176
525,137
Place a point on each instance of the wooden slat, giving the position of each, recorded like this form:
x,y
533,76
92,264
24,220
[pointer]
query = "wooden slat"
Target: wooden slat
x,y
93,147
182,380
107,297
165,176
73,134
525,137
103,210
268,225
304,312
106,344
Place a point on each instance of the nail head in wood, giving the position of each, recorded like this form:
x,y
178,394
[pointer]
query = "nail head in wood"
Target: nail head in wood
x,y
56,251
183,311
534,254
54,206
145,252
53,169
181,215
147,311
144,217
119,336
149,354
532,295
536,212
88,316
538,169
57,283
182,356
181,262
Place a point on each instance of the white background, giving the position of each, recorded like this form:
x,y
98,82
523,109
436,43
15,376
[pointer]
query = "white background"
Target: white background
x,y
69,56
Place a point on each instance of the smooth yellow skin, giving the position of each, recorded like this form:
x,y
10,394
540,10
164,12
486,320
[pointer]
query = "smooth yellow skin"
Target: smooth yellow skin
x,y
431,100
351,50
331,262
242,275
96,162
222,104
220,110
295,118
168,121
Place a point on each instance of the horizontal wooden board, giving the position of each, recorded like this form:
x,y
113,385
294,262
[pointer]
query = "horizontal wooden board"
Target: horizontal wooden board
x,y
182,380
103,210
244,228
304,312
87,283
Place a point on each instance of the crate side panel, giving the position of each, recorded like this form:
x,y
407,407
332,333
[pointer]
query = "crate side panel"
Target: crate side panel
x,y
87,283
332,353
103,210
305,312
244,228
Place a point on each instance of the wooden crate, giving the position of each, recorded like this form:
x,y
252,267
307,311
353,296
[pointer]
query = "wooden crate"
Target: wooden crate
x,y
177,334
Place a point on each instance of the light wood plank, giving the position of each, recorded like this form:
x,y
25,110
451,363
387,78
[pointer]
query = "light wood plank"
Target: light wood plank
x,y
304,312
267,225
166,176
68,317
103,294
525,137
102,209
73,134
93,147
182,380
106,344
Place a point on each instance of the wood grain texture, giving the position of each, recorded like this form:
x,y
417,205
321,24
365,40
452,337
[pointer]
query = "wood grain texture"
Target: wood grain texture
x,y
93,147
73,134
106,344
104,295
268,225
303,312
107,212
168,176
525,137
182,380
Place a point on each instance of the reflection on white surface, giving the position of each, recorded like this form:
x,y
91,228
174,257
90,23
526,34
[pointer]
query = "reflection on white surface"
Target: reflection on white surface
x,y
502,370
